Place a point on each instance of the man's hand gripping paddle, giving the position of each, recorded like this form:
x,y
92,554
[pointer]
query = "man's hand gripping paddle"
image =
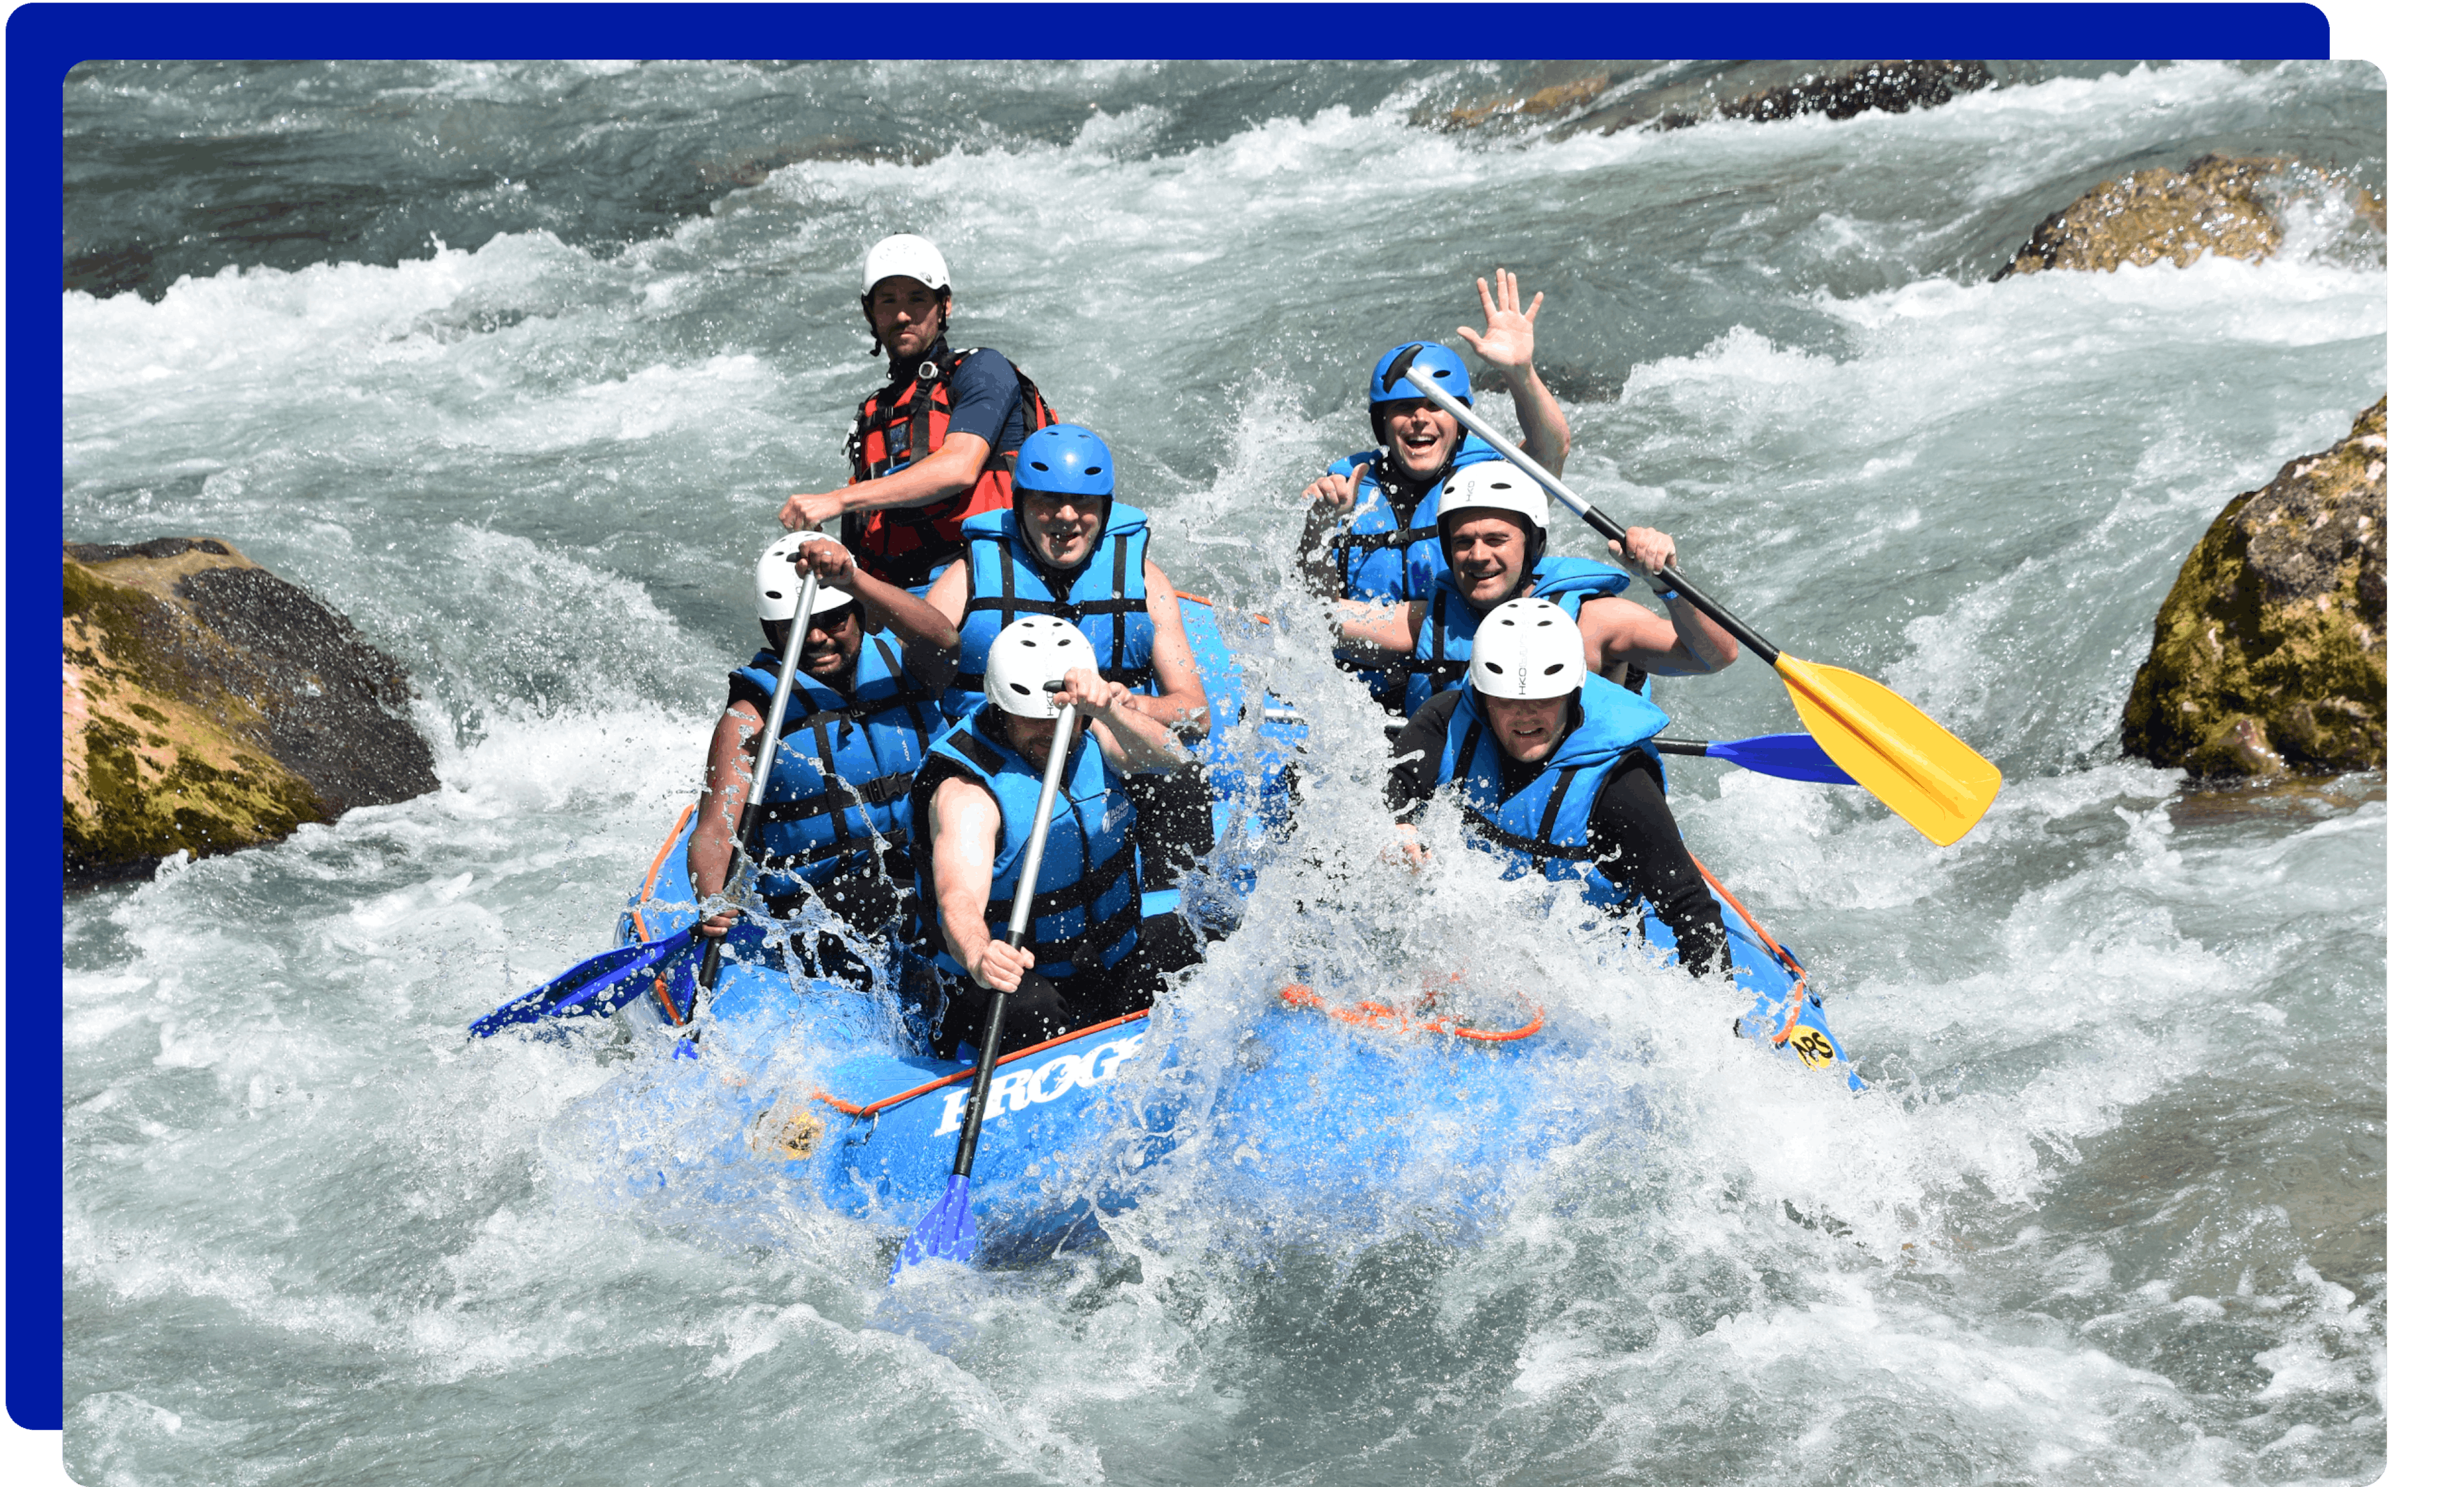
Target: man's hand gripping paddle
x,y
949,1231
706,975
610,979
1908,761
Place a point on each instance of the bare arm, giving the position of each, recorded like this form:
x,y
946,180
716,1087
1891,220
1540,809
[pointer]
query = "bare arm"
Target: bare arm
x,y
1365,626
949,594
726,780
1646,550
911,619
1621,631
1135,743
1180,690
1507,345
945,473
965,822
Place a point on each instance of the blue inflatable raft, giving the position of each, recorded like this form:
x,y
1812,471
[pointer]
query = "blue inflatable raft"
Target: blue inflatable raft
x,y
1340,1096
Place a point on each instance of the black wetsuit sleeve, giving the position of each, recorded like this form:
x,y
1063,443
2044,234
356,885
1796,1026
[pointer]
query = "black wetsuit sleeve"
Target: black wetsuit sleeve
x,y
1637,846
1413,776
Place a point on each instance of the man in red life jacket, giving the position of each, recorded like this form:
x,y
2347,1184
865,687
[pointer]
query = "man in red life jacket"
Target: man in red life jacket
x,y
935,446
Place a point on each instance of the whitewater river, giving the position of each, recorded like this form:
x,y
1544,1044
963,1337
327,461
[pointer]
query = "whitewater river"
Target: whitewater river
x,y
513,364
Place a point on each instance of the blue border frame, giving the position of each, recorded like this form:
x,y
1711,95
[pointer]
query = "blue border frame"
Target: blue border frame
x,y
44,40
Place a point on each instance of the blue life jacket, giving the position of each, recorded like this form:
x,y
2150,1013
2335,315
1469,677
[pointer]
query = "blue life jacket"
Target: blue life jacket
x,y
846,761
1106,600
1087,903
1383,558
1548,821
1392,558
1441,648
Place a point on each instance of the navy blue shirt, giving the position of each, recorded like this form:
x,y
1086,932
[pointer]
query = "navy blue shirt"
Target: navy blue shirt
x,y
984,400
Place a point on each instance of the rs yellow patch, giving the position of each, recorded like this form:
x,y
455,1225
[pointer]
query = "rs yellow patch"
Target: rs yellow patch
x,y
1812,1046
787,1134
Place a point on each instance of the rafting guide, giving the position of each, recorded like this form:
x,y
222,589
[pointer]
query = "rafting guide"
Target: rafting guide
x,y
936,444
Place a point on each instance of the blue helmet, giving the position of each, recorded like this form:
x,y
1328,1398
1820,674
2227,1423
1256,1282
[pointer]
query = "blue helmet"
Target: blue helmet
x,y
1386,383
1065,459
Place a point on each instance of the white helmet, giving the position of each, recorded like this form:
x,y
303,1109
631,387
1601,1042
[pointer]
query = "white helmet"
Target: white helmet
x,y
776,582
1497,485
904,252
1031,650
1528,647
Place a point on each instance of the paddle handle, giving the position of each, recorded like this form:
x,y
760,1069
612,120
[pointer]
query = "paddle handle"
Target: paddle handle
x,y
1746,636
1022,910
706,974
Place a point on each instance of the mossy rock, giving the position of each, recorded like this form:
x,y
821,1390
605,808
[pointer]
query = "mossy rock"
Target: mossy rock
x,y
208,705
2270,655
2214,206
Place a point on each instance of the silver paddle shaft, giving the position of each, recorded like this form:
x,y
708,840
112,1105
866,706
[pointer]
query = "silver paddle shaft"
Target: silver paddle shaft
x,y
768,754
1022,907
1746,635
1508,447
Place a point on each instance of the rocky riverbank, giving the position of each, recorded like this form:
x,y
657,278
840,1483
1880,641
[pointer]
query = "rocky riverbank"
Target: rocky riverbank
x,y
1606,97
2270,655
206,705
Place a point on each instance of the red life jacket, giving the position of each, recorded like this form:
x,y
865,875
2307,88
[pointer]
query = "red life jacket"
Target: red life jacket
x,y
902,424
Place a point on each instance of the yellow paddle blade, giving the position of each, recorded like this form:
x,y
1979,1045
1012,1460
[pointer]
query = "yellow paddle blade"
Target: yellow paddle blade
x,y
1911,764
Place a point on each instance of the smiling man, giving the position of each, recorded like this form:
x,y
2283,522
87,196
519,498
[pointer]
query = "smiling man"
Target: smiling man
x,y
1366,537
1493,521
1091,950
1068,549
934,446
1555,771
833,824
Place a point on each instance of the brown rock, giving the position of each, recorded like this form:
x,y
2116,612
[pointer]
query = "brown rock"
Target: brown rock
x,y
1606,97
1893,87
208,705
2271,650
2213,207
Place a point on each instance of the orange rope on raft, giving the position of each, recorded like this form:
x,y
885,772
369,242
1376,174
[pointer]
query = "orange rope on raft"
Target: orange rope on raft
x,y
1395,1019
641,928
1200,599
1779,952
866,1111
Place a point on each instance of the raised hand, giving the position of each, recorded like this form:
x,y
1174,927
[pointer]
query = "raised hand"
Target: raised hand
x,y
1506,343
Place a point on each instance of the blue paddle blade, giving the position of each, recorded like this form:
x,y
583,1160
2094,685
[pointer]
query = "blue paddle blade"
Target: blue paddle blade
x,y
1784,755
595,988
947,1232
